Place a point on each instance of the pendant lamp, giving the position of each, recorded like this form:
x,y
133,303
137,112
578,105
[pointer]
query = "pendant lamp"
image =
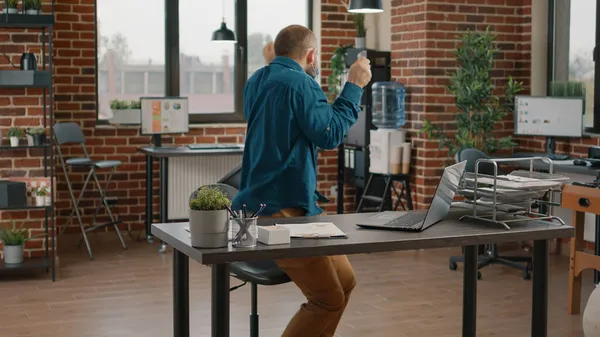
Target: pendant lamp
x,y
223,34
365,6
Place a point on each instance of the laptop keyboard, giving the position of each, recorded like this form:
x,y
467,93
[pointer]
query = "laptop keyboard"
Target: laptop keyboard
x,y
408,220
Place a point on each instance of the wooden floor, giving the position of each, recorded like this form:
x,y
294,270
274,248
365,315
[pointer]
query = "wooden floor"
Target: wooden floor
x,y
406,294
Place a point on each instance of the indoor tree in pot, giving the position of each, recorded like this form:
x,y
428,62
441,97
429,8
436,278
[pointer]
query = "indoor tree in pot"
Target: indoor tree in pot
x,y
338,67
479,107
14,240
12,7
14,134
209,218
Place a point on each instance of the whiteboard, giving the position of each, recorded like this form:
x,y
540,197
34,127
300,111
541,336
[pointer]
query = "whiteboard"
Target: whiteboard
x,y
549,116
164,115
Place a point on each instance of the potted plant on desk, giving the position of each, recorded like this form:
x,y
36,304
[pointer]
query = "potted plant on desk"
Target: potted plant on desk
x,y
14,240
12,7
15,135
209,218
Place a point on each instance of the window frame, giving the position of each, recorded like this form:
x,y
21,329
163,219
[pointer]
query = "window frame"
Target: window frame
x,y
551,61
172,66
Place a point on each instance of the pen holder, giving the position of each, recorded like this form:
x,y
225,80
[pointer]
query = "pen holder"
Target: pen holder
x,y
245,233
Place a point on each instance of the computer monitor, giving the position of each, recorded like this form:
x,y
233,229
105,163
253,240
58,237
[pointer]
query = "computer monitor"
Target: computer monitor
x,y
164,115
550,117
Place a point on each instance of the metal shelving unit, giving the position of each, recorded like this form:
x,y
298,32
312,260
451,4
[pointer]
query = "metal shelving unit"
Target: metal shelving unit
x,y
40,78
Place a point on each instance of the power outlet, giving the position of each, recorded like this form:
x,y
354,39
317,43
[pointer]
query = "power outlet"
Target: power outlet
x,y
333,190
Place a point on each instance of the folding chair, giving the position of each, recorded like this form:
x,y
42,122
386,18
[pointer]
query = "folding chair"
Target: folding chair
x,y
70,133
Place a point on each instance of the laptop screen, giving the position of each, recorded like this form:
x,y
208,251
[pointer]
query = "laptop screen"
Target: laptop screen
x,y
444,194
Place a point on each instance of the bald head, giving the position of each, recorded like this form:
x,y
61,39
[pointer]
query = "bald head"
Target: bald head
x,y
294,42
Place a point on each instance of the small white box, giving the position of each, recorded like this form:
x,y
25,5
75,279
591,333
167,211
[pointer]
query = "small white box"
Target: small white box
x,y
273,235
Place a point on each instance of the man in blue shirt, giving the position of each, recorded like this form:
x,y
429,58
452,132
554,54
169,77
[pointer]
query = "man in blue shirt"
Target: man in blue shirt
x,y
288,119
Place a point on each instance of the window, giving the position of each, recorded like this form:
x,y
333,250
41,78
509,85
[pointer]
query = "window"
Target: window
x,y
573,29
130,54
211,75
260,31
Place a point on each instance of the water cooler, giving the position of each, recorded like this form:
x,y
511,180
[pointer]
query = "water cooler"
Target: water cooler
x,y
354,158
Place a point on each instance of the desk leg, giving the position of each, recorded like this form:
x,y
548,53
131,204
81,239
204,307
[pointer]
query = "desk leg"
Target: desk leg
x,y
469,326
149,198
181,295
597,249
539,310
574,276
220,300
164,196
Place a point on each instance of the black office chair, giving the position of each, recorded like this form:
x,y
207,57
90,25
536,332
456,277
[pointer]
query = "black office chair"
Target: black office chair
x,y
265,273
490,253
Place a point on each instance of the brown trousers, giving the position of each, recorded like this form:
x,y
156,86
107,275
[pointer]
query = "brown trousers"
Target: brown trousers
x,y
326,281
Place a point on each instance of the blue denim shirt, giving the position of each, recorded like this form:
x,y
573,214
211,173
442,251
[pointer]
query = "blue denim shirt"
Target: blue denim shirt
x,y
288,118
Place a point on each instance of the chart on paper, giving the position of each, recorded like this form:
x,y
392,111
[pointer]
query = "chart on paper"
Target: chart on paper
x,y
164,115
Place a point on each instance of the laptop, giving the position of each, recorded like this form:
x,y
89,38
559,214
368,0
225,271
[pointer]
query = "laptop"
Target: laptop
x,y
438,210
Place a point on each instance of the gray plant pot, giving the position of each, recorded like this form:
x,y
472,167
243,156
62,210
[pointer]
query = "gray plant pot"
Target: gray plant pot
x,y
13,254
32,12
360,42
209,229
11,10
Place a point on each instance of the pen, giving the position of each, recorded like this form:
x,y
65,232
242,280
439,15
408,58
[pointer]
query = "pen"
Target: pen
x,y
257,211
262,207
244,210
231,212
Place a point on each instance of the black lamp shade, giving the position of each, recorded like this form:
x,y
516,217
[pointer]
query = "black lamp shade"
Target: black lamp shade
x,y
365,6
223,34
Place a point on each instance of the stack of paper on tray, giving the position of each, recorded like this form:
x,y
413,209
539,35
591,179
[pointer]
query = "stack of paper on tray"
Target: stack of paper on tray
x,y
314,230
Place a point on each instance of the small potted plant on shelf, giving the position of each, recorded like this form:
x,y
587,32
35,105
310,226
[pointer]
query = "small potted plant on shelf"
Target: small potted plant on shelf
x,y
33,7
14,240
12,7
359,24
42,196
14,134
38,136
209,218
125,112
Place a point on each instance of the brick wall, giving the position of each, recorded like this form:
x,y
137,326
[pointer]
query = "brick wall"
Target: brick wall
x,y
424,35
74,85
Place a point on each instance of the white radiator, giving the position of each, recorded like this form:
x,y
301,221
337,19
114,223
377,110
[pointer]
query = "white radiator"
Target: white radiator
x,y
188,173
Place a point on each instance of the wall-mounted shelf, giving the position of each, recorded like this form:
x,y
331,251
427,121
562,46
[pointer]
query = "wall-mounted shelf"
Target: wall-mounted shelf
x,y
25,78
8,147
26,20
23,207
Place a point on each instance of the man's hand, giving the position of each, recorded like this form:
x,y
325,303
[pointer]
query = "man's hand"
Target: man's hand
x,y
269,52
360,72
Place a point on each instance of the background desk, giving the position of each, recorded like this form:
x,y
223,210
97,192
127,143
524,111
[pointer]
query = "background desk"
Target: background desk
x,y
448,233
181,171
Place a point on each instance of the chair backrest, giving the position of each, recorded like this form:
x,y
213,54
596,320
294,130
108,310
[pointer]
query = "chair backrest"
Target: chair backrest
x,y
471,155
233,178
68,133
228,190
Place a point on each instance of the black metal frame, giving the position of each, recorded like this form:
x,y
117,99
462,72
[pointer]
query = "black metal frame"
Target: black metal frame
x,y
45,23
172,49
551,60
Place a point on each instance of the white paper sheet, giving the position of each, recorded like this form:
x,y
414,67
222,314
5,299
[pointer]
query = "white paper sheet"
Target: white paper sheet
x,y
314,230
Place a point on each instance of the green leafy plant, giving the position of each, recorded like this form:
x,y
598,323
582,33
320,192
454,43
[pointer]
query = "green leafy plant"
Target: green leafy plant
x,y
15,132
209,199
116,104
35,131
135,104
359,21
14,236
338,66
28,4
473,88
13,3
41,191
37,4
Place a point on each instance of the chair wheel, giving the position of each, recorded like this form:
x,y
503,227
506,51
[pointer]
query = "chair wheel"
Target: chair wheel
x,y
453,265
478,275
526,274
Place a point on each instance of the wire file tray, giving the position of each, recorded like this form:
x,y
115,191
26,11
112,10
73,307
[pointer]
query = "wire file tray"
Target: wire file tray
x,y
505,199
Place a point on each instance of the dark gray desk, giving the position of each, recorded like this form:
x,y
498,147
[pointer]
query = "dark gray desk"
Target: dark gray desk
x,y
448,233
163,154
